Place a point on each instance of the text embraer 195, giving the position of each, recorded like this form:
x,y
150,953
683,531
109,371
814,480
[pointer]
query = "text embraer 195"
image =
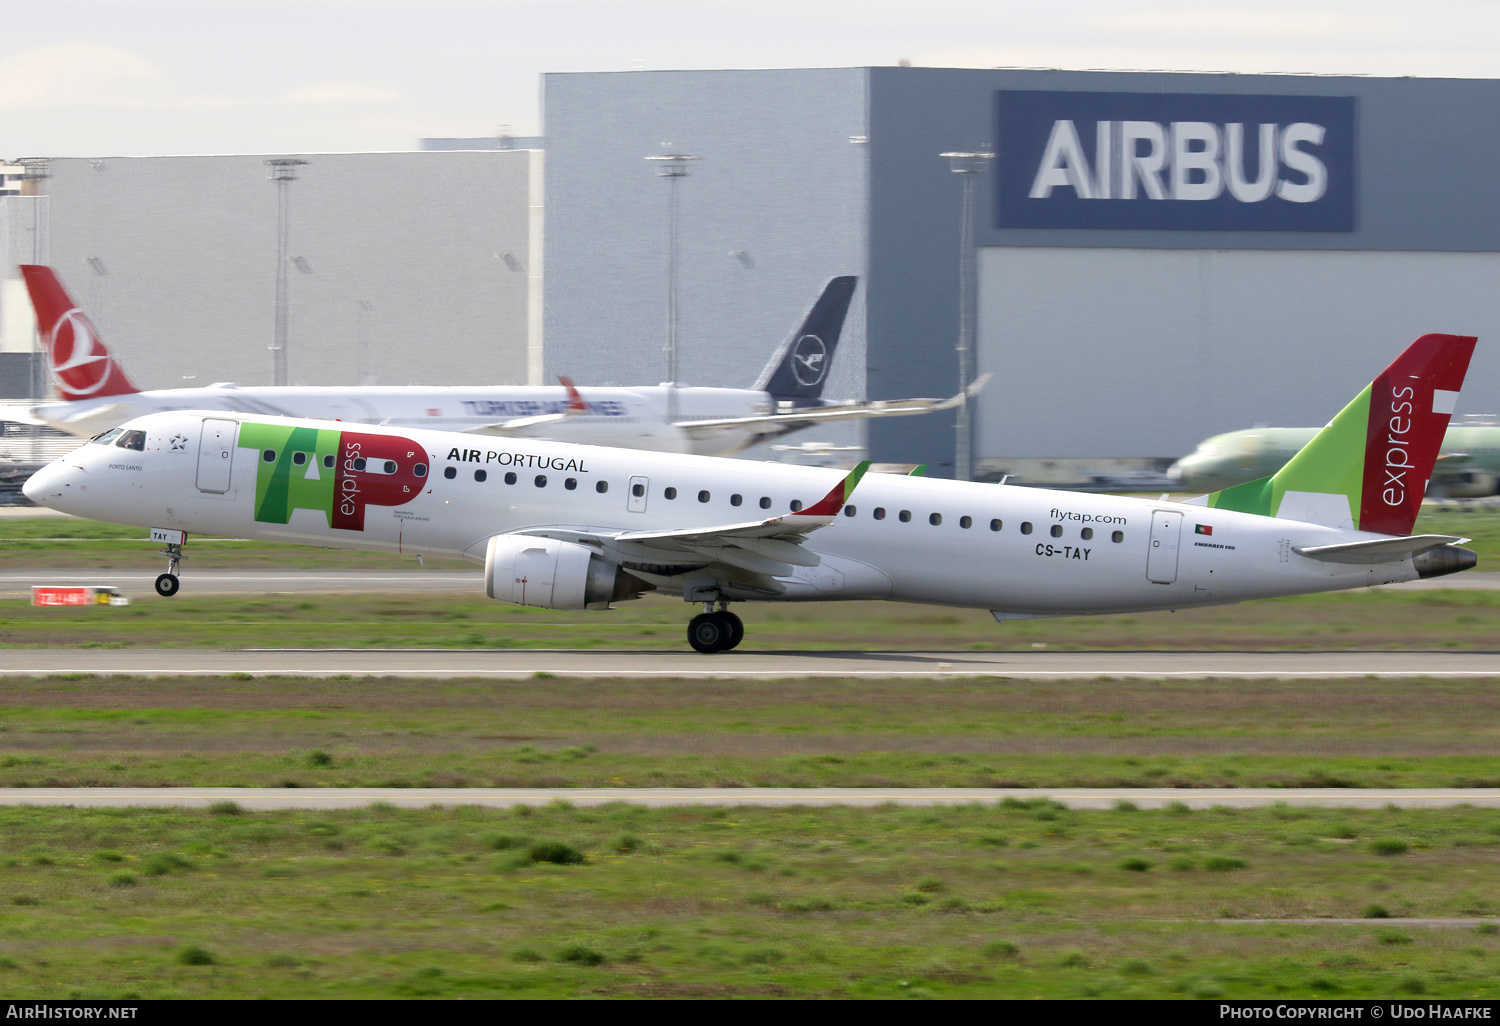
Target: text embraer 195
x,y
96,394
574,527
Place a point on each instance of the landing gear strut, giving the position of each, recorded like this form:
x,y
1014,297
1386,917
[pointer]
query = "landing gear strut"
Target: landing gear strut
x,y
168,583
715,631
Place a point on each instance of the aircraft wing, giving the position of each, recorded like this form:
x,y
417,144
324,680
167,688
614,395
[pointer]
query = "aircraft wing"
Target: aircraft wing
x,y
763,548
775,423
576,405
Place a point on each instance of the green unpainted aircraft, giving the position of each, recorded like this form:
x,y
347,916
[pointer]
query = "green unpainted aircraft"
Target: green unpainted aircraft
x,y
1468,465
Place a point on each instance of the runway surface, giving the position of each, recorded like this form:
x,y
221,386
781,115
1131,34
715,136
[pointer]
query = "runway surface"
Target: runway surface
x,y
139,584
269,798
749,664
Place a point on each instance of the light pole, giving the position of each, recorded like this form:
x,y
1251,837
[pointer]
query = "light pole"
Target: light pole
x,y
282,171
34,173
671,166
970,165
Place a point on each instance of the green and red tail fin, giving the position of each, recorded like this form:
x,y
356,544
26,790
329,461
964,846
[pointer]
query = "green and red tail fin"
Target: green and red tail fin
x,y
1368,469
830,504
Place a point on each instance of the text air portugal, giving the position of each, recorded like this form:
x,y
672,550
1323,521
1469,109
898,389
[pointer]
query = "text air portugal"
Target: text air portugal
x,y
1409,408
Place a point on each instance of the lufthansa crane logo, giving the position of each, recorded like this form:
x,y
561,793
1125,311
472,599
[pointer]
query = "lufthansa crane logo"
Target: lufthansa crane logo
x,y
809,360
79,363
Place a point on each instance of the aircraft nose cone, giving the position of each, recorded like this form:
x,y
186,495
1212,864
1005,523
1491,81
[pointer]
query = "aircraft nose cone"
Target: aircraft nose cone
x,y
47,485
1174,472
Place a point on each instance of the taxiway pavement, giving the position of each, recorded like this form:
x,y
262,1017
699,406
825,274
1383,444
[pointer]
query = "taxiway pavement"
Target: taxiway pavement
x,y
747,664
270,798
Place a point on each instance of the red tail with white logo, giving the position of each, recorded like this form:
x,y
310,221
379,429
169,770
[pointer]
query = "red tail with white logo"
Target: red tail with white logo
x,y
80,365
1409,408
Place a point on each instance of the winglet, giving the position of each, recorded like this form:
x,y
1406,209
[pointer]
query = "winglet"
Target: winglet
x,y
831,503
920,470
575,399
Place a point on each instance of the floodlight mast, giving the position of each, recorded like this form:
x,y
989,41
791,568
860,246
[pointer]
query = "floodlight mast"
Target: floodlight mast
x,y
969,164
282,171
671,166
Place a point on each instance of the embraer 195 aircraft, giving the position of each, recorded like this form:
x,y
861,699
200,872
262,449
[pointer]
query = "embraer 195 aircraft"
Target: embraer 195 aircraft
x,y
96,394
574,527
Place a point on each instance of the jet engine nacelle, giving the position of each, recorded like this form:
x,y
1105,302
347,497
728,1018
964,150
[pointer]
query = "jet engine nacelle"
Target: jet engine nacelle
x,y
553,574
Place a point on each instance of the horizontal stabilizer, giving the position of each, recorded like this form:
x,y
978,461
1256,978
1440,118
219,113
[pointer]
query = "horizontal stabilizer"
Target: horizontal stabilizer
x,y
1378,550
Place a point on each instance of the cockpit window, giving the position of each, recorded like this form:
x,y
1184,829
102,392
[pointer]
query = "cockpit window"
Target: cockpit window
x,y
133,440
107,437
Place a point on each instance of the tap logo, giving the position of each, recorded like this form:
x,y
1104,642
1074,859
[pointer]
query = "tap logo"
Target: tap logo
x,y
809,360
79,363
336,473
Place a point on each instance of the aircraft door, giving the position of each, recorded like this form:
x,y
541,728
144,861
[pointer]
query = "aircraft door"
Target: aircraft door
x,y
636,501
216,455
1161,560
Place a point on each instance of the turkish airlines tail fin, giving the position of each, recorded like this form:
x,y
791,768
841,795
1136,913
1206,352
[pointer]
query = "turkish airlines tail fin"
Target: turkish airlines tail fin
x,y
1367,470
800,366
80,365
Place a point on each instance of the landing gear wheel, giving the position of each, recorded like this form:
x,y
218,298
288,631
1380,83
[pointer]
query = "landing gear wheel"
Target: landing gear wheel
x,y
736,630
167,585
709,633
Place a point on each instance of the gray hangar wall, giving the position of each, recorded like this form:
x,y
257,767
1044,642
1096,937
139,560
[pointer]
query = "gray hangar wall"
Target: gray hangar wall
x,y
1112,326
774,207
409,268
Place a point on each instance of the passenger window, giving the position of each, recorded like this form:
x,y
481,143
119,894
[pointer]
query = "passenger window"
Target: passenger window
x,y
670,493
765,502
571,483
601,487
541,480
450,472
510,477
135,440
1118,536
1026,527
1057,530
108,436
995,525
796,505
879,513
638,490
480,475
390,466
703,496
904,516
966,522
935,519
299,458
270,457
359,461
736,499
849,511
328,463
420,470
1086,533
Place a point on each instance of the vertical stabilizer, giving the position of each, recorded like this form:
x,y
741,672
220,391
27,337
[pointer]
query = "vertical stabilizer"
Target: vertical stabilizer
x,y
800,367
80,365
1367,470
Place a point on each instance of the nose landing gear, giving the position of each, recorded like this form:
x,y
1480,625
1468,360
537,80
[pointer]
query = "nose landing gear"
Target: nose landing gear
x,y
715,631
168,583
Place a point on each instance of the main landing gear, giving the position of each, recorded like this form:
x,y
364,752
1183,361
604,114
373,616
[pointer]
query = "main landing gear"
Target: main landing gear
x,y
168,583
711,631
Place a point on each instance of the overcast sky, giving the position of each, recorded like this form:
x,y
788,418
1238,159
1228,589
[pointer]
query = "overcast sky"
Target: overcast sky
x,y
128,77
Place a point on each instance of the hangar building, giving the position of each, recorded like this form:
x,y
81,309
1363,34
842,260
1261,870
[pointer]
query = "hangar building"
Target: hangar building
x,y
1160,257
405,268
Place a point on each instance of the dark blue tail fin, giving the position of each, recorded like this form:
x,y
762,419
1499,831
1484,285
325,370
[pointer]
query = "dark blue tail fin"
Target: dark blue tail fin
x,y
801,363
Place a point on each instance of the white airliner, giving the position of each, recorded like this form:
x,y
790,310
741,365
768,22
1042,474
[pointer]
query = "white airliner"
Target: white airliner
x,y
572,527
96,393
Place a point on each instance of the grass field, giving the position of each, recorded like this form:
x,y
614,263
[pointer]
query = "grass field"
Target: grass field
x,y
1021,900
1360,620
544,732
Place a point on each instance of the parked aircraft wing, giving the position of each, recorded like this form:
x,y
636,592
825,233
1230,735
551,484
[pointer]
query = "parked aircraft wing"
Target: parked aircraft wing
x,y
779,423
576,405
